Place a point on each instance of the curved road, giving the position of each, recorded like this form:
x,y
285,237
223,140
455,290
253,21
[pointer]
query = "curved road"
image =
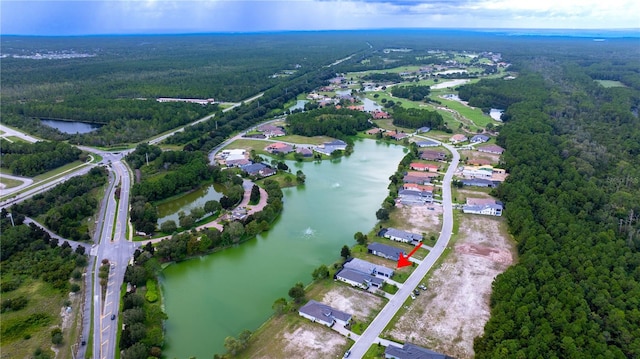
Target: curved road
x,y
371,334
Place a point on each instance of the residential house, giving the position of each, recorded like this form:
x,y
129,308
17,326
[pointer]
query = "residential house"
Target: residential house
x,y
266,172
430,155
479,139
402,236
324,314
374,131
457,138
254,168
484,206
491,149
329,147
478,172
418,180
359,279
385,251
398,136
237,163
278,147
411,351
305,152
417,187
423,129
233,154
271,131
479,182
380,115
356,107
428,167
368,267
239,213
410,197
422,174
427,143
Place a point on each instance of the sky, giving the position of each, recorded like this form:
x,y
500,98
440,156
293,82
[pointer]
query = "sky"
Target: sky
x,y
87,17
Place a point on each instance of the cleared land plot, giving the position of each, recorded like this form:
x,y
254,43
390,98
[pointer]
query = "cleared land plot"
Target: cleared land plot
x,y
477,155
455,307
610,83
291,336
9,182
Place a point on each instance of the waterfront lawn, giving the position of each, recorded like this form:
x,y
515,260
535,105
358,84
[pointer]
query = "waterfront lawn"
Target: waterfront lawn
x,y
376,351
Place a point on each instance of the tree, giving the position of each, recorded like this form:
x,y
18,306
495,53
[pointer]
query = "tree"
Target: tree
x,y
345,252
382,214
56,336
168,226
297,292
136,351
212,206
300,177
321,272
280,306
255,194
360,238
187,221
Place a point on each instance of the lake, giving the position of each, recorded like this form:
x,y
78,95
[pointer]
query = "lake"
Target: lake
x,y
220,295
169,210
71,127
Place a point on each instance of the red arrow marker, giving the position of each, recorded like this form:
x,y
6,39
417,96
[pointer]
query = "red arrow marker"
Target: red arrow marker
x,y
404,261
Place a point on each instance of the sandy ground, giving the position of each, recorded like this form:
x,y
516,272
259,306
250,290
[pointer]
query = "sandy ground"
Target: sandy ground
x,y
492,158
358,303
313,342
455,307
423,219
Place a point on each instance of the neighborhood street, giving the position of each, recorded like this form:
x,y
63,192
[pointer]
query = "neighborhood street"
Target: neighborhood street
x,y
371,334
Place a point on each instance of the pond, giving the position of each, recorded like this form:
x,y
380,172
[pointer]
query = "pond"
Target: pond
x,y
169,210
299,105
496,114
71,127
220,295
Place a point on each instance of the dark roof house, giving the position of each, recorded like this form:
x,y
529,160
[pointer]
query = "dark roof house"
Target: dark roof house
x,y
324,314
385,251
411,351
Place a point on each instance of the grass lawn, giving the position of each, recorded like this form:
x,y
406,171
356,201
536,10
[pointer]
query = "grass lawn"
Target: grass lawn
x,y
9,182
376,351
610,83
19,337
15,139
57,171
316,140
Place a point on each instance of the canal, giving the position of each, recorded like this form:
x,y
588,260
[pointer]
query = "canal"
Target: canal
x,y
220,295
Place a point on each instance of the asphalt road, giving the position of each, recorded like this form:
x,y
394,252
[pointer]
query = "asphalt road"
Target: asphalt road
x,y
371,334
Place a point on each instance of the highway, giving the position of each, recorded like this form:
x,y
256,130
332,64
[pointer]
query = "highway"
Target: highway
x,y
371,334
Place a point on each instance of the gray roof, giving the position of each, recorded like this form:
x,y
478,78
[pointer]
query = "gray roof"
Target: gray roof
x,y
427,143
253,168
411,351
335,143
388,251
478,182
480,138
368,267
409,192
358,276
392,232
323,312
424,129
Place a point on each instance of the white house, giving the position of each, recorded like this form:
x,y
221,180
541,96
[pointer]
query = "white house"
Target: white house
x,y
368,267
402,236
359,279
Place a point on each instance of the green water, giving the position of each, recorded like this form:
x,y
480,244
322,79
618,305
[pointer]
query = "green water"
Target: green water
x,y
169,210
213,297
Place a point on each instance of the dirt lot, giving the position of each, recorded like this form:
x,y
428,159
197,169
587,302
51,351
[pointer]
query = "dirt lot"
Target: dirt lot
x,y
347,299
455,307
291,336
482,156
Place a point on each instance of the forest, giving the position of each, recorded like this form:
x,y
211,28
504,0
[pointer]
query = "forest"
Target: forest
x,y
571,204
328,121
413,93
66,206
416,118
31,159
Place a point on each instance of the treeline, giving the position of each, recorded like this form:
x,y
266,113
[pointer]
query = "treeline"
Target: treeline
x,y
413,93
179,171
188,244
575,290
28,252
66,206
328,121
416,118
142,335
499,93
31,159
383,77
270,104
